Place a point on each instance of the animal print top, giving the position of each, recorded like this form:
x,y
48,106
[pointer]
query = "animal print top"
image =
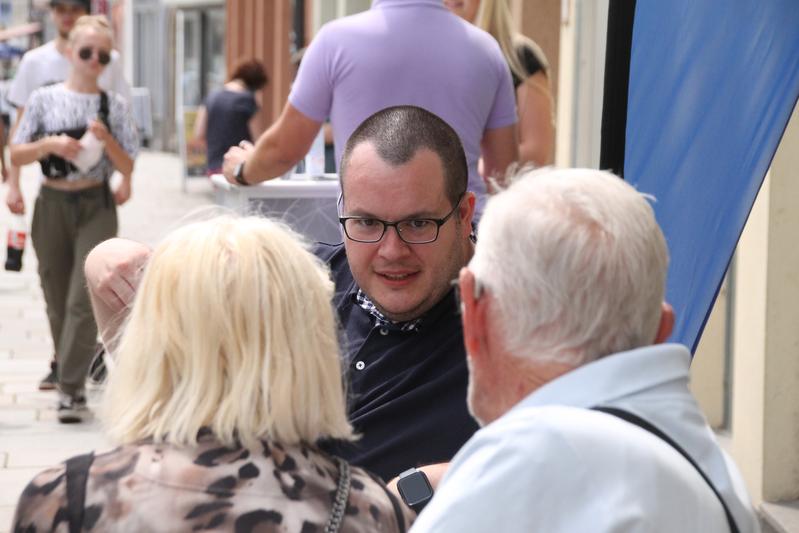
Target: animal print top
x,y
158,487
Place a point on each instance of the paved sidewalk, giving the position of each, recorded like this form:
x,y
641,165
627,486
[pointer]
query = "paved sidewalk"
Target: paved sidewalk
x,y
30,436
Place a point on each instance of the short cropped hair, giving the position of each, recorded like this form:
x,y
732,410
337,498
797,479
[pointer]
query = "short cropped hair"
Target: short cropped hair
x,y
232,328
251,72
98,23
397,133
576,264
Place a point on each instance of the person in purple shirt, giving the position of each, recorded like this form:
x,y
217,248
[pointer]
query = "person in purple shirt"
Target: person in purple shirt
x,y
400,52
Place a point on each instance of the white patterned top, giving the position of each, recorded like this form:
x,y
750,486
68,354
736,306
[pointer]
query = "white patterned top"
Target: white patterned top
x,y
55,108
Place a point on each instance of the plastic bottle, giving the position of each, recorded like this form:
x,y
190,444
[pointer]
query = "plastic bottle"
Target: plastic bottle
x,y
17,232
315,160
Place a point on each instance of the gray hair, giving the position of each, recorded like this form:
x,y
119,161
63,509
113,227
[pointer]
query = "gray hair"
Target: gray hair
x,y
576,263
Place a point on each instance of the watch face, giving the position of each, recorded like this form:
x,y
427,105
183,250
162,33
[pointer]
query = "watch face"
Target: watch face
x,y
415,488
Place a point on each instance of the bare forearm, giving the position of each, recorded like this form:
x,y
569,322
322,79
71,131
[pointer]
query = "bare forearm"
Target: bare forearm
x,y
13,177
500,148
22,154
268,160
536,127
109,320
113,270
119,157
277,150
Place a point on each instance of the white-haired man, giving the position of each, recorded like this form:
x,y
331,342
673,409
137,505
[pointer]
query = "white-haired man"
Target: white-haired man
x,y
562,303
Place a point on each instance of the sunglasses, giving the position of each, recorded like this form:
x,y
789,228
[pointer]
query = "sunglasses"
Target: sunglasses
x,y
86,53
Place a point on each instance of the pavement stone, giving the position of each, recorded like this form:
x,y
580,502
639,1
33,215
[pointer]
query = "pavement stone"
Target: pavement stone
x,y
6,515
31,438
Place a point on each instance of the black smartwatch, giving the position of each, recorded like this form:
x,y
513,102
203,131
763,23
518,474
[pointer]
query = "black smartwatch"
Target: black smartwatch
x,y
238,174
415,489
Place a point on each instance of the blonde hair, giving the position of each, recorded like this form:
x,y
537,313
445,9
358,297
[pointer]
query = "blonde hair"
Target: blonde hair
x,y
98,23
494,17
232,328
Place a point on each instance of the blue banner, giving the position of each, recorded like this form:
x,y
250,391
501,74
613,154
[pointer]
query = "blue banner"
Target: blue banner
x,y
712,86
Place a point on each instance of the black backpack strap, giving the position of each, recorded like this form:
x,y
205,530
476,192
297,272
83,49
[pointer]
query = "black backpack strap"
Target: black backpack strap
x,y
77,476
643,424
103,115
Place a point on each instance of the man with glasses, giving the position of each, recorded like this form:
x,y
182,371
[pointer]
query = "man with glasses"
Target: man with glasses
x,y
46,65
406,214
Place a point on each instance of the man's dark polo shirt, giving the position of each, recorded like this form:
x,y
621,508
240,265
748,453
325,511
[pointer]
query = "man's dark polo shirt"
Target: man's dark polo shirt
x,y
407,390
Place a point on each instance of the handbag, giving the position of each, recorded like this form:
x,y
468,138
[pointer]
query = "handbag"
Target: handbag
x,y
55,167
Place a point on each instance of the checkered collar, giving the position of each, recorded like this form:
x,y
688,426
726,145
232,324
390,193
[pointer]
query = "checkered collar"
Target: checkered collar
x,y
380,320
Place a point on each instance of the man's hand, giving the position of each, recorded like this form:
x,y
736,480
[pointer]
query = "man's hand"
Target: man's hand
x,y
99,130
122,193
63,146
113,271
234,156
14,199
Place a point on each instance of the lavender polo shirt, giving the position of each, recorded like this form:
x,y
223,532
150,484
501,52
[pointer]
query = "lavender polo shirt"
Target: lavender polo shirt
x,y
407,52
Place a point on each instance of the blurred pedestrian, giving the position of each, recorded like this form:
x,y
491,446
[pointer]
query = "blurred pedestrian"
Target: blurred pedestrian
x,y
43,66
397,53
218,398
530,71
75,209
231,114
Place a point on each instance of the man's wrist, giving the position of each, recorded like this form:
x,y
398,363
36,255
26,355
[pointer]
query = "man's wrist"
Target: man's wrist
x,y
238,173
414,489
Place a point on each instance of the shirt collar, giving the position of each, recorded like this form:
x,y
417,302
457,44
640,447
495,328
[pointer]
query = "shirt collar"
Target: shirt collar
x,y
377,4
380,319
615,376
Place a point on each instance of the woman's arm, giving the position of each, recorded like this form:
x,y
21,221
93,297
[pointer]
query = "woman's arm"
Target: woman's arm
x,y
257,124
23,152
60,145
536,128
200,127
118,156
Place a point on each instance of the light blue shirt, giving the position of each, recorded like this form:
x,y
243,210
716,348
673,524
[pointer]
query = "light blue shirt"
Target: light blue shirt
x,y
551,464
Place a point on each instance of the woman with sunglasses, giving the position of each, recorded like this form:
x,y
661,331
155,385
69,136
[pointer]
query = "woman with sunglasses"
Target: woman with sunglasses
x,y
80,135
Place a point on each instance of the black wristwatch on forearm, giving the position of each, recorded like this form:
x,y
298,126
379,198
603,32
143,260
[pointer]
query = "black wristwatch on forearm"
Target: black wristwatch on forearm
x,y
238,174
415,489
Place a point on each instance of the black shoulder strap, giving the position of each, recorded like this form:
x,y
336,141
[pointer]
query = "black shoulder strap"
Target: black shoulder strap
x,y
103,115
77,475
643,424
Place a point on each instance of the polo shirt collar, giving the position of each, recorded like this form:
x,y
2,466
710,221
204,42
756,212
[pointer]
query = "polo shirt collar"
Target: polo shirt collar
x,y
378,4
614,377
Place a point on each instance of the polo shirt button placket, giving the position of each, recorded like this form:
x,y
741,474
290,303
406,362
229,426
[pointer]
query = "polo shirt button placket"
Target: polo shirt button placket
x,y
384,331
360,365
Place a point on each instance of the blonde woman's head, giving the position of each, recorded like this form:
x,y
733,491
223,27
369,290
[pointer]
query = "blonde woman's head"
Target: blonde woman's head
x,y
232,329
90,44
91,23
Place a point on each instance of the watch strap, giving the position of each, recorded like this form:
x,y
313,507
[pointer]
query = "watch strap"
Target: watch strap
x,y
419,505
238,174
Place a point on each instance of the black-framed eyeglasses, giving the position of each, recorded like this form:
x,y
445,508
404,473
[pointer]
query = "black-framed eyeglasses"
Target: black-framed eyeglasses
x,y
86,53
410,230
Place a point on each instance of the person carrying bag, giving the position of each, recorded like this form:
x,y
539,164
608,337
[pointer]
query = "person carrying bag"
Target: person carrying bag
x,y
80,135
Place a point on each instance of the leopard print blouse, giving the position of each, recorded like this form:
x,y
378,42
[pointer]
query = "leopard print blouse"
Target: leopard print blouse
x,y
159,487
